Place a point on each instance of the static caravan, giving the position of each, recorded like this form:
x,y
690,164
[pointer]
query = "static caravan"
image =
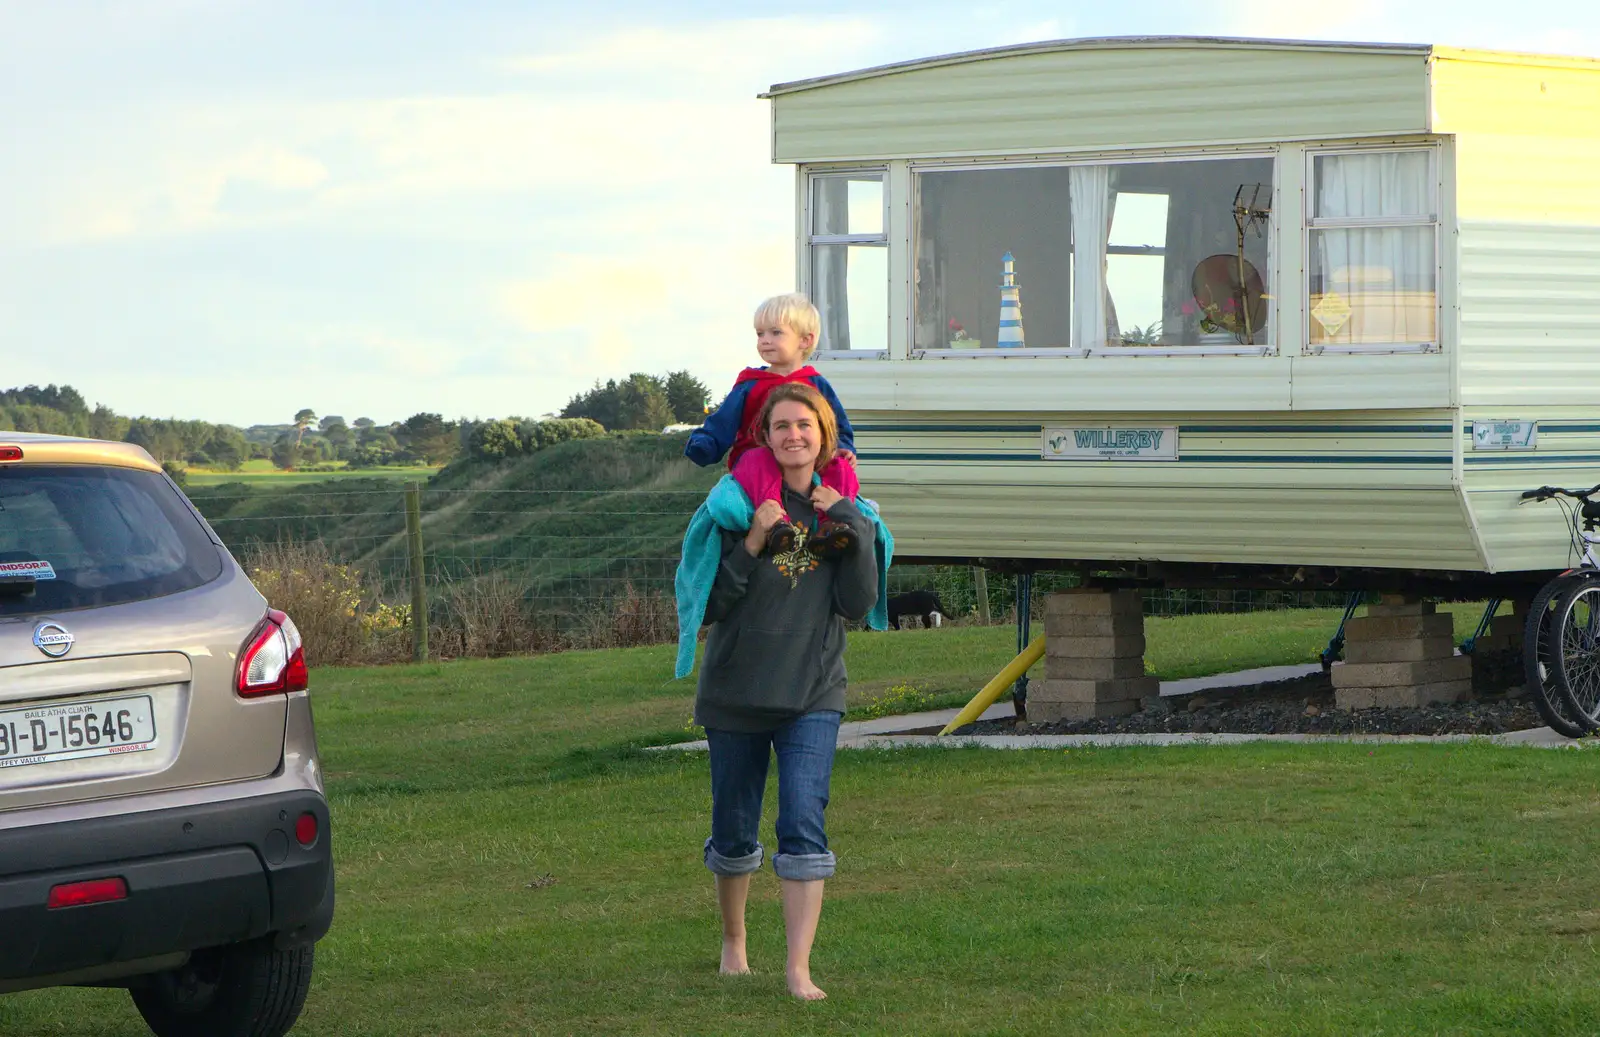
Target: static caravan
x,y
1303,314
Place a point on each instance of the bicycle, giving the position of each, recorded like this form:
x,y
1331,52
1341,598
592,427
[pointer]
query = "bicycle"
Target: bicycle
x,y
1563,628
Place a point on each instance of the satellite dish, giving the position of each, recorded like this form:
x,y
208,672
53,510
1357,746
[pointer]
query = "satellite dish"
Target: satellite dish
x,y
1217,279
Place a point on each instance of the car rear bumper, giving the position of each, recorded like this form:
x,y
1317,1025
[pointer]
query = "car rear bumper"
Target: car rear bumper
x,y
197,876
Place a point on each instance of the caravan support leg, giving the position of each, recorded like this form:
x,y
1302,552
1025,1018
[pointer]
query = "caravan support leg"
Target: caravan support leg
x,y
1019,691
1330,654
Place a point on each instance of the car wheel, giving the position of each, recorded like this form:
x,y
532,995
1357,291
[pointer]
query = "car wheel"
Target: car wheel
x,y
241,990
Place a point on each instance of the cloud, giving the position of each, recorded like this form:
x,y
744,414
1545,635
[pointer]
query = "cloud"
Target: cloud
x,y
664,308
643,111
698,57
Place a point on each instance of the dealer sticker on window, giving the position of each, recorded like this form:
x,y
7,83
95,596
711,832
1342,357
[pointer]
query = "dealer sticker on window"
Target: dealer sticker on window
x,y
39,570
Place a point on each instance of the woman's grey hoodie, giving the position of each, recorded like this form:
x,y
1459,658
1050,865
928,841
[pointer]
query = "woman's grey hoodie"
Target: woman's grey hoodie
x,y
776,645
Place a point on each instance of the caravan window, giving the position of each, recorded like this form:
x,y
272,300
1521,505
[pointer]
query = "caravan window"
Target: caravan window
x,y
1122,258
969,220
849,255
1372,263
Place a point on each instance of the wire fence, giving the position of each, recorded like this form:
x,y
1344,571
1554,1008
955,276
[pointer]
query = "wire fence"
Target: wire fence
x,y
519,570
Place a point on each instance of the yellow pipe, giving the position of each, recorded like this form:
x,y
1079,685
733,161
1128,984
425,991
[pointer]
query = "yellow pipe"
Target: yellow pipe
x,y
997,687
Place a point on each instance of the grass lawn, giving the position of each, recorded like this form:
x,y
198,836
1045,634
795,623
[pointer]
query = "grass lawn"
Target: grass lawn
x,y
263,473
511,863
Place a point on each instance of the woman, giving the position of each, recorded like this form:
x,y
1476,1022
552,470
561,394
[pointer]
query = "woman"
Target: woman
x,y
773,679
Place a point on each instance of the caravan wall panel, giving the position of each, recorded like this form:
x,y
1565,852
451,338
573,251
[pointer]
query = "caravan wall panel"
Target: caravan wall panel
x,y
1527,156
1528,198
1328,489
1104,98
1518,535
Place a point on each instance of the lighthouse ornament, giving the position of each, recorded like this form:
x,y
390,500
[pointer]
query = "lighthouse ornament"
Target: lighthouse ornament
x,y
1010,336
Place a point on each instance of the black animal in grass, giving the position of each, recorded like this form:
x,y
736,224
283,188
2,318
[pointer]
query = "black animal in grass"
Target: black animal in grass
x,y
916,603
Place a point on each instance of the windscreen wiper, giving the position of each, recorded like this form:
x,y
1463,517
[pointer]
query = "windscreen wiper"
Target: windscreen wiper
x,y
17,586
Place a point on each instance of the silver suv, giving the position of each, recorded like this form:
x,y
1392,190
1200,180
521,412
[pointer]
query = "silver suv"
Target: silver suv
x,y
162,820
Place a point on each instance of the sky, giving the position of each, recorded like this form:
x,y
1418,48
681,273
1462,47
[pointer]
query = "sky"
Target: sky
x,y
233,209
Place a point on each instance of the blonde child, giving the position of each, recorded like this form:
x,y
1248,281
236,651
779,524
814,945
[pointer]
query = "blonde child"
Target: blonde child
x,y
787,327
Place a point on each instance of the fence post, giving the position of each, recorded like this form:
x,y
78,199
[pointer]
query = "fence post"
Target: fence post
x,y
980,590
419,583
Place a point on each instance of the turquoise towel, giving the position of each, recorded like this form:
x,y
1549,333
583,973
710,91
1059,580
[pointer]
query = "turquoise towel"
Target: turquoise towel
x,y
727,507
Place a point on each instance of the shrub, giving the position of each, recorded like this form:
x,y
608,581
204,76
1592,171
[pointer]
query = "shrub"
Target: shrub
x,y
493,440
536,435
897,701
336,609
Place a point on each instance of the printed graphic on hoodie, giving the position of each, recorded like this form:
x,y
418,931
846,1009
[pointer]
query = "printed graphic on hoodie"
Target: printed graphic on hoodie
x,y
797,561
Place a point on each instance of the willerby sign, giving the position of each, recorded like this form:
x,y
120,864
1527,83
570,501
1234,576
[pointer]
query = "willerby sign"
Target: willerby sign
x,y
1505,435
1100,444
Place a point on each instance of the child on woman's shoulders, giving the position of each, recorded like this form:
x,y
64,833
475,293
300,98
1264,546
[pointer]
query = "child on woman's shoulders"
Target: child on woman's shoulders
x,y
787,327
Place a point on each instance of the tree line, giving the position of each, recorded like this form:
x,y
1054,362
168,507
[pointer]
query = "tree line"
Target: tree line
x,y
307,440
638,402
642,401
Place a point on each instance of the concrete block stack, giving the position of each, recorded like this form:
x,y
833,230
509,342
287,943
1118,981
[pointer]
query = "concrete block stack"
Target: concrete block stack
x,y
1094,656
1401,653
1497,655
1505,631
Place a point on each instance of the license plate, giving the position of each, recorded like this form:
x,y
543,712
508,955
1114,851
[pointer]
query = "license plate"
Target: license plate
x,y
73,731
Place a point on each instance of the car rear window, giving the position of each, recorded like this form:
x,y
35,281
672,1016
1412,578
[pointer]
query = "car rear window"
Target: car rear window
x,y
96,536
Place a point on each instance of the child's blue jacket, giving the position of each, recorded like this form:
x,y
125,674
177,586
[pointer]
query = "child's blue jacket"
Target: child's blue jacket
x,y
710,443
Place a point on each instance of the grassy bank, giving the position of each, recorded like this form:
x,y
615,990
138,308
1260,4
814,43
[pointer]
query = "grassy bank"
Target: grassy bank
x,y
264,475
511,863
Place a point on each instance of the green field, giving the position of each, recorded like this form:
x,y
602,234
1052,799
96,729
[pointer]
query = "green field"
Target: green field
x,y
262,473
510,862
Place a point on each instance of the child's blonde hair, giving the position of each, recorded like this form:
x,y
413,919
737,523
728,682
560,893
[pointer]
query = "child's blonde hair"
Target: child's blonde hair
x,y
795,312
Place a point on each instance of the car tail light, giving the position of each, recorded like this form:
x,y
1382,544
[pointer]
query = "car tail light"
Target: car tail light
x,y
305,829
273,659
79,894
10,453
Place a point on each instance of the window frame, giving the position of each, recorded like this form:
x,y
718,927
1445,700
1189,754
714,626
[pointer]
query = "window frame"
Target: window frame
x,y
880,172
1311,224
1271,153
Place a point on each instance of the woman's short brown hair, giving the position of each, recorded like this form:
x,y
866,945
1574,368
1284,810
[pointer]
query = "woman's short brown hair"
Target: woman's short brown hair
x,y
802,392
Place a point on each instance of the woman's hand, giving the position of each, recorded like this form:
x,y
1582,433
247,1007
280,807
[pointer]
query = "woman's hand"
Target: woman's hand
x,y
846,455
825,497
768,515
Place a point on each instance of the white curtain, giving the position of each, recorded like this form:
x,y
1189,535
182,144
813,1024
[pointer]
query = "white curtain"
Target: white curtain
x,y
1090,191
1385,274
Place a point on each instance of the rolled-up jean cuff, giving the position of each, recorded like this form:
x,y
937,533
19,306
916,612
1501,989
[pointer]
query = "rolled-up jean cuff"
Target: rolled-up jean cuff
x,y
804,867
721,865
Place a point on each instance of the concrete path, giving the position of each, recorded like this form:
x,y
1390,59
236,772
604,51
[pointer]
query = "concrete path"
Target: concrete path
x,y
920,729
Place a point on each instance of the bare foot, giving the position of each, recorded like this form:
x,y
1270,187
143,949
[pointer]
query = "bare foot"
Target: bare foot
x,y
734,962
800,986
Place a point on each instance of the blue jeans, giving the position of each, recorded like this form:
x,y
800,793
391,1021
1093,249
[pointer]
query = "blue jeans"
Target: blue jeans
x,y
739,777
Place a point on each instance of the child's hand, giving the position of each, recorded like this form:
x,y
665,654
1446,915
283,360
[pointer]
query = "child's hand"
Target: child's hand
x,y
849,456
825,497
768,515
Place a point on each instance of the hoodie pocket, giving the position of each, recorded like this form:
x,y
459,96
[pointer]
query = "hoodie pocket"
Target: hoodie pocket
x,y
770,671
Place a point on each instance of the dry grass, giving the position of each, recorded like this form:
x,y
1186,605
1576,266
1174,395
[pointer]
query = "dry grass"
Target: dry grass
x,y
488,616
631,618
335,606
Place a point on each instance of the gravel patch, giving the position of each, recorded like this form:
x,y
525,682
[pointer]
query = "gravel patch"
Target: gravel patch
x,y
1304,705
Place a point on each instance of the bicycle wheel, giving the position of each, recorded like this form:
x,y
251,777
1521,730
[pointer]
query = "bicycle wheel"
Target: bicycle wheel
x,y
1540,674
1574,651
